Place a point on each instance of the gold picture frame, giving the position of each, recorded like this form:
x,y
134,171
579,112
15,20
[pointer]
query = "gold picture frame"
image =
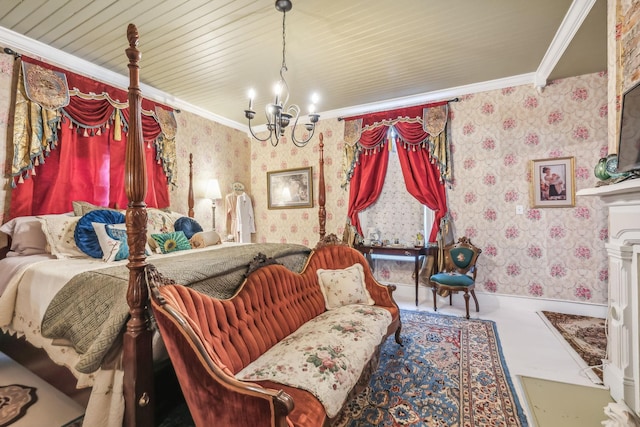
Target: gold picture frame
x,y
290,188
553,183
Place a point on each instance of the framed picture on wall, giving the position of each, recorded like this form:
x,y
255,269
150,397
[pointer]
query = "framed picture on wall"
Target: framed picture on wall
x,y
290,188
553,183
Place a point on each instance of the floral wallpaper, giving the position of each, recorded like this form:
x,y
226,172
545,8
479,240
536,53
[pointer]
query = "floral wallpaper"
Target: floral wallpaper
x,y
555,253
219,152
300,225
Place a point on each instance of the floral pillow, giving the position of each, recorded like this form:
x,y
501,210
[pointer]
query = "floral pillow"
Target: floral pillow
x,y
343,287
172,242
59,231
159,222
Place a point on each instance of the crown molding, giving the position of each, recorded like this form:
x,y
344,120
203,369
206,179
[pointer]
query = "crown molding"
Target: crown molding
x,y
434,96
46,53
572,21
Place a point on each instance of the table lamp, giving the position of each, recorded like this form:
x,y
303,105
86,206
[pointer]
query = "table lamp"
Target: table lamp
x,y
213,193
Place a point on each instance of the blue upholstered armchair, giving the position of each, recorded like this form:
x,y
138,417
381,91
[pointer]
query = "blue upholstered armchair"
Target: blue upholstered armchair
x,y
459,273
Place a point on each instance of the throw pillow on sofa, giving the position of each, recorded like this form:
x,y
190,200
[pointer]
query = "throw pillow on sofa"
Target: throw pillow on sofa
x,y
343,286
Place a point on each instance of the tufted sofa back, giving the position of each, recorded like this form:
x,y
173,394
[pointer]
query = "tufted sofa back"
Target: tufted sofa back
x,y
271,304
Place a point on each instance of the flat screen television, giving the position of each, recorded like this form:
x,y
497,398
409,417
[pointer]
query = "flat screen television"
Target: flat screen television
x,y
629,142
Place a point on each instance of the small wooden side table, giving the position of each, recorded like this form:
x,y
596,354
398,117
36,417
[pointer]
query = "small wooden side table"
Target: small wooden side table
x,y
409,251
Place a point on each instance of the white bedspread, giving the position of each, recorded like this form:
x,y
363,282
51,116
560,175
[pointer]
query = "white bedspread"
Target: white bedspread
x,y
27,285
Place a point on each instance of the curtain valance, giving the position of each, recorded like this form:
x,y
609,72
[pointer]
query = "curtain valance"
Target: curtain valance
x,y
44,103
419,127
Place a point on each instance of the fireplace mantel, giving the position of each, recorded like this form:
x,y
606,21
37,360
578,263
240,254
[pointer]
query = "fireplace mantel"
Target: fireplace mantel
x,y
622,368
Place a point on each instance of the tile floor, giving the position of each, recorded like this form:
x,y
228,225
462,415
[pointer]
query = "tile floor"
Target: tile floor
x,y
529,346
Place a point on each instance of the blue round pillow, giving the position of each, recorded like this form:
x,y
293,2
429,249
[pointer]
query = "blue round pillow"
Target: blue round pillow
x,y
85,235
188,226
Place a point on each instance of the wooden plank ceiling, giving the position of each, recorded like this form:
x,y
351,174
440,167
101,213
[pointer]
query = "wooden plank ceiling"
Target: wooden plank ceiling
x,y
355,54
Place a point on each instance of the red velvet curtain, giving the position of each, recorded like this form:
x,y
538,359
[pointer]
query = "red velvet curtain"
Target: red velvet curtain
x,y
84,168
88,163
421,176
368,176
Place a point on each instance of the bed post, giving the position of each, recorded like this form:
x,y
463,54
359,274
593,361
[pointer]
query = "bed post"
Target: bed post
x,y
322,213
137,356
190,200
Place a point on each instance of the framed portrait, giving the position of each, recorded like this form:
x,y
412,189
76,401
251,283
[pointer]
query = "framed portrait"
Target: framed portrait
x,y
553,183
290,188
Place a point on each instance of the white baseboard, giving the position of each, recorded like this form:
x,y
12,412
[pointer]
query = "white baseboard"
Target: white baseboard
x,y
406,294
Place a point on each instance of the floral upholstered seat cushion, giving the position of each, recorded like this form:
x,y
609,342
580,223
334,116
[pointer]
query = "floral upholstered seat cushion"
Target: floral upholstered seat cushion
x,y
326,355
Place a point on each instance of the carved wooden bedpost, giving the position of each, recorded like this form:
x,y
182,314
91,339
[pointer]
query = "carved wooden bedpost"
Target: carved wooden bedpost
x,y
322,213
190,200
137,358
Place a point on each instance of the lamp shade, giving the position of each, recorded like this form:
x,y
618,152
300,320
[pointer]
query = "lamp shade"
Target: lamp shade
x,y
213,190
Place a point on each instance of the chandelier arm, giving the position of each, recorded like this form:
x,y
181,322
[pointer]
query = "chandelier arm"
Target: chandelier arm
x,y
255,136
303,143
297,142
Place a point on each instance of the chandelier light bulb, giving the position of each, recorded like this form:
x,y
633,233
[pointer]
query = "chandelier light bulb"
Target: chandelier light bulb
x,y
315,98
252,95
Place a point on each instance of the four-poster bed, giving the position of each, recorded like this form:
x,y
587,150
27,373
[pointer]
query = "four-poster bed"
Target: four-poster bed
x,y
137,353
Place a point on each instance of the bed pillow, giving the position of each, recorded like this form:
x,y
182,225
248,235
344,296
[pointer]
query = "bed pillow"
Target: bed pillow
x,y
113,249
158,222
81,208
85,234
188,226
114,241
172,242
343,287
204,239
59,231
27,237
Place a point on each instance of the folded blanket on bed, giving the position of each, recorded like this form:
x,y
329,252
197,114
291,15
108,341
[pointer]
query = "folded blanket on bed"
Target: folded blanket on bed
x,y
91,310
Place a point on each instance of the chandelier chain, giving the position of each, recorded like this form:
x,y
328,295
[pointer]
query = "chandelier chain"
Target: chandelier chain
x,y
284,43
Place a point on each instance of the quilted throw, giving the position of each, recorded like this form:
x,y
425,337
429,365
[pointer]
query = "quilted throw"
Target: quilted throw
x,y
326,355
91,310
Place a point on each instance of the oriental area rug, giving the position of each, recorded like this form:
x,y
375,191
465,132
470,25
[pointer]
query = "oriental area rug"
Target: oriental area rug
x,y
28,401
585,335
449,372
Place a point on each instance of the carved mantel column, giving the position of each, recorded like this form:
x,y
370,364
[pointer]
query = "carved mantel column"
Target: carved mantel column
x,y
622,369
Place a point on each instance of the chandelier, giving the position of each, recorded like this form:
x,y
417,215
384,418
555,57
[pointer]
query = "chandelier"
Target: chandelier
x,y
278,114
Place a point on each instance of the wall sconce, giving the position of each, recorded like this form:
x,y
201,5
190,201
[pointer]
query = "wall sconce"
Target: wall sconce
x,y
213,192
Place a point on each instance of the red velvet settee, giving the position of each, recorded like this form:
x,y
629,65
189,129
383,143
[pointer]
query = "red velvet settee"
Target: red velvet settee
x,y
210,340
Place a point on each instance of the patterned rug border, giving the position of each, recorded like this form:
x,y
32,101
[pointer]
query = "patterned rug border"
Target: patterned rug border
x,y
26,396
590,371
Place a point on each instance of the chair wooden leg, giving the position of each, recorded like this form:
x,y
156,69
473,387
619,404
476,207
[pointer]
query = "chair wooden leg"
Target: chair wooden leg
x,y
450,298
434,289
473,294
466,302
